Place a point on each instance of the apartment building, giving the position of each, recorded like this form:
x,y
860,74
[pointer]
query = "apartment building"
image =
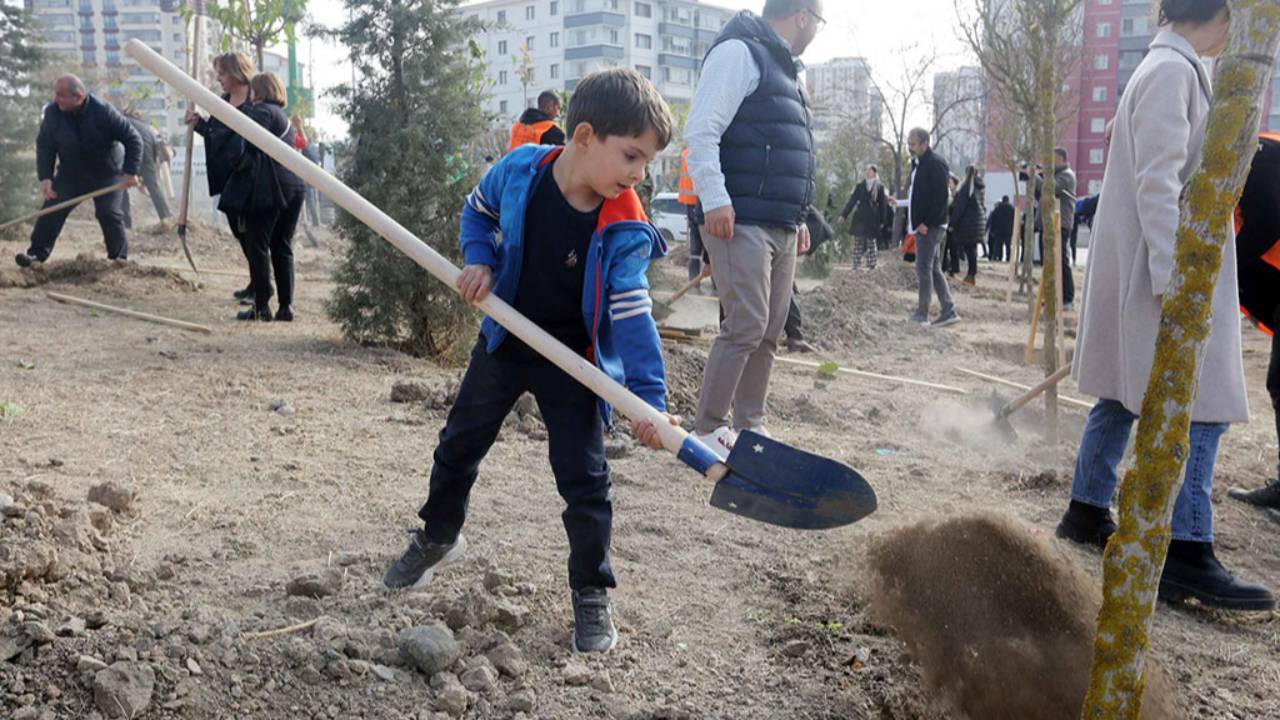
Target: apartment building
x,y
960,117
842,91
91,34
537,45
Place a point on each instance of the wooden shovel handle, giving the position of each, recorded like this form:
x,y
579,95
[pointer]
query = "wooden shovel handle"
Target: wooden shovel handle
x,y
1034,392
683,291
65,204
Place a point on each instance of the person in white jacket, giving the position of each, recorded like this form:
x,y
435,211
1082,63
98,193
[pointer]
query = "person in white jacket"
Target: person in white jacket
x,y
1155,147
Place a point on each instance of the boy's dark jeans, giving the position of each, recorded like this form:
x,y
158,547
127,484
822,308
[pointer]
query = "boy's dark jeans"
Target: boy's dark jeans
x,y
489,390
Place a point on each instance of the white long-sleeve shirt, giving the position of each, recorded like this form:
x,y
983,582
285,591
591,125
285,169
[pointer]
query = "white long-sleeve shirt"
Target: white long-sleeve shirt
x,y
729,75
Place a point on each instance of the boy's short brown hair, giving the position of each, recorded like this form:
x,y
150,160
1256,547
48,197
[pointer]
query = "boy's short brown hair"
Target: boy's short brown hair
x,y
268,88
619,102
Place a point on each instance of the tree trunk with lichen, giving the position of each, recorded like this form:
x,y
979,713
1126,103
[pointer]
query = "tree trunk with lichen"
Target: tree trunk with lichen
x,y
1135,556
1048,222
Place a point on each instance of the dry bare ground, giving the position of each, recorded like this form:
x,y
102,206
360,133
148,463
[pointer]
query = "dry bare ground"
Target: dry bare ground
x,y
275,476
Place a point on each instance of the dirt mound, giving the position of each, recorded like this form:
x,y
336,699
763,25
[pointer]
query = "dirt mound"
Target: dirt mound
x,y
88,269
202,237
859,309
1001,622
685,366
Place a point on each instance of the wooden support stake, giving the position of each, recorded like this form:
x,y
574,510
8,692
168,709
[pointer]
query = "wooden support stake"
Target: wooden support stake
x,y
1009,383
280,631
131,313
1035,325
875,376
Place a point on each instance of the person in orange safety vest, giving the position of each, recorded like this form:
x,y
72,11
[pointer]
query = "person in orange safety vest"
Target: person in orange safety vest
x,y
538,125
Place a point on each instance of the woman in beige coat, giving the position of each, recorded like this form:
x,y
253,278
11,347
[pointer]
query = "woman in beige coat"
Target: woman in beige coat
x,y
1156,145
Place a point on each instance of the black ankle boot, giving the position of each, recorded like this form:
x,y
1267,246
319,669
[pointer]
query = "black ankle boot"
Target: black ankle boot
x,y
1087,525
1191,570
261,314
1267,496
284,313
247,292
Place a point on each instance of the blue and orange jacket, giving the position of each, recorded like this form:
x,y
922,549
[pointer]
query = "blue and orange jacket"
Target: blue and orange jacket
x,y
616,306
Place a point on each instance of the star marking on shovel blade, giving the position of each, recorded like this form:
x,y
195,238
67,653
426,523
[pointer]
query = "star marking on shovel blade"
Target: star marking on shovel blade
x,y
758,448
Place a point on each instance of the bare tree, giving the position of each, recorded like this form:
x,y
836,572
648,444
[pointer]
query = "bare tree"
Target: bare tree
x,y
1028,49
901,95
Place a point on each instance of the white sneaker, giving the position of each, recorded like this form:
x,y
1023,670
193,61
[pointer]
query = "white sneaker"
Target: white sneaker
x,y
719,440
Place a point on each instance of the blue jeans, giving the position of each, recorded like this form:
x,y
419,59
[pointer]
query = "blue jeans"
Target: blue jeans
x,y
1106,434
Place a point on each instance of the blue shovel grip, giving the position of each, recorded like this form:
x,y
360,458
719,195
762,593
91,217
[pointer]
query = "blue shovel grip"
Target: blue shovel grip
x,y
696,455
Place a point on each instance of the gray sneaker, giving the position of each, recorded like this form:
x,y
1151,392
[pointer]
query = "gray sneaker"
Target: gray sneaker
x,y
917,319
420,560
950,318
593,629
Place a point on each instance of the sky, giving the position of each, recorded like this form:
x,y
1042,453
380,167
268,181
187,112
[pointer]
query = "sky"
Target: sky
x,y
873,29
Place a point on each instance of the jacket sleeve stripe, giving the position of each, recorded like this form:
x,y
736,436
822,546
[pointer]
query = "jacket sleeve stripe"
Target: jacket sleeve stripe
x,y
616,316
477,202
643,302
641,292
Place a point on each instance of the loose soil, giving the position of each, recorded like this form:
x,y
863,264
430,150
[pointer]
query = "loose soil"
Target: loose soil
x,y
275,477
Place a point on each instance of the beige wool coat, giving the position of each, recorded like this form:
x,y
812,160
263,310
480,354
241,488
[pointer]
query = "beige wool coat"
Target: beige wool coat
x,y
1155,146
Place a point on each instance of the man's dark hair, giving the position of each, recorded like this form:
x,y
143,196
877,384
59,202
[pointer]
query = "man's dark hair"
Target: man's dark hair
x,y
1004,198
619,102
547,99
1060,152
920,134
778,9
1192,11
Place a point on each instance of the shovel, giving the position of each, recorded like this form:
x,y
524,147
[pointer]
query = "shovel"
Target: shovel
x,y
663,309
188,172
65,204
1003,411
762,479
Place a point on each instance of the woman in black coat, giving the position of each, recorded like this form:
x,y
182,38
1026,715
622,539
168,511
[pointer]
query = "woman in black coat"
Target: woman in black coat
x,y
867,204
222,146
276,197
968,220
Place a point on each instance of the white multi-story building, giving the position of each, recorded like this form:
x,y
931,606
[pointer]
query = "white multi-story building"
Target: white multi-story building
x,y
960,117
842,92
91,34
538,45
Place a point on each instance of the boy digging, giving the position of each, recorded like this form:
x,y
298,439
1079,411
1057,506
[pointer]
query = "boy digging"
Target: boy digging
x,y
575,247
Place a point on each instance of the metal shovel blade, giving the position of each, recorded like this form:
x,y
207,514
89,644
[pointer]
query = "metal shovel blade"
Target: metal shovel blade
x,y
1001,421
772,482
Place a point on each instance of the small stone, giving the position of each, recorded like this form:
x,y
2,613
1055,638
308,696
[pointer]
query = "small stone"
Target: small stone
x,y
114,495
508,659
124,689
347,558
383,672
89,663
316,585
39,633
795,648
526,588
193,667
5,500
602,682
575,674
26,713
451,696
522,701
406,391
12,643
429,648
73,627
481,679
510,615
494,579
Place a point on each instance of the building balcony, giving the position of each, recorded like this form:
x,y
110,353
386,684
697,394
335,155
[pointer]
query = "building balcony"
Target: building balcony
x,y
109,10
678,61
684,31
86,9
110,28
594,51
600,17
88,47
86,29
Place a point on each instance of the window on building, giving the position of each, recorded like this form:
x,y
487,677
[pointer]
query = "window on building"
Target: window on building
x,y
555,71
1095,156
613,37
50,4
1104,29
1095,187
502,47
1101,62
88,57
528,43
1098,125
1131,59
502,77
1099,93
177,37
644,10
554,41
644,42
555,8
502,107
1104,2
645,70
502,17
529,12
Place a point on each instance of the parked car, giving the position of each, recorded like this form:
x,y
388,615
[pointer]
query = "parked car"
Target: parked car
x,y
668,215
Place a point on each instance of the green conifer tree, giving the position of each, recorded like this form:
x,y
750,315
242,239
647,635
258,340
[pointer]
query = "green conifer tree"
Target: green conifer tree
x,y
21,103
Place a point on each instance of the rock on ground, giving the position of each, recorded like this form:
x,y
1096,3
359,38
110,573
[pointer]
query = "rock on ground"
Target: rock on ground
x,y
124,689
316,585
115,495
429,648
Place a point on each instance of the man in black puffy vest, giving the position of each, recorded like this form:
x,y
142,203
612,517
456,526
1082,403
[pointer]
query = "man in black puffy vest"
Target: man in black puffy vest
x,y
752,160
78,133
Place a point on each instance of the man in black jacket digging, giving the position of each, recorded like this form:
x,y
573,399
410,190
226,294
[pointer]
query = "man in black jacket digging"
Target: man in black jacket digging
x,y
74,157
927,218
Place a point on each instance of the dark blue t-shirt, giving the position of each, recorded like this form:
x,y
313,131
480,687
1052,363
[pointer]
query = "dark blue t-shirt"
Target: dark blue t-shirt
x,y
552,272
